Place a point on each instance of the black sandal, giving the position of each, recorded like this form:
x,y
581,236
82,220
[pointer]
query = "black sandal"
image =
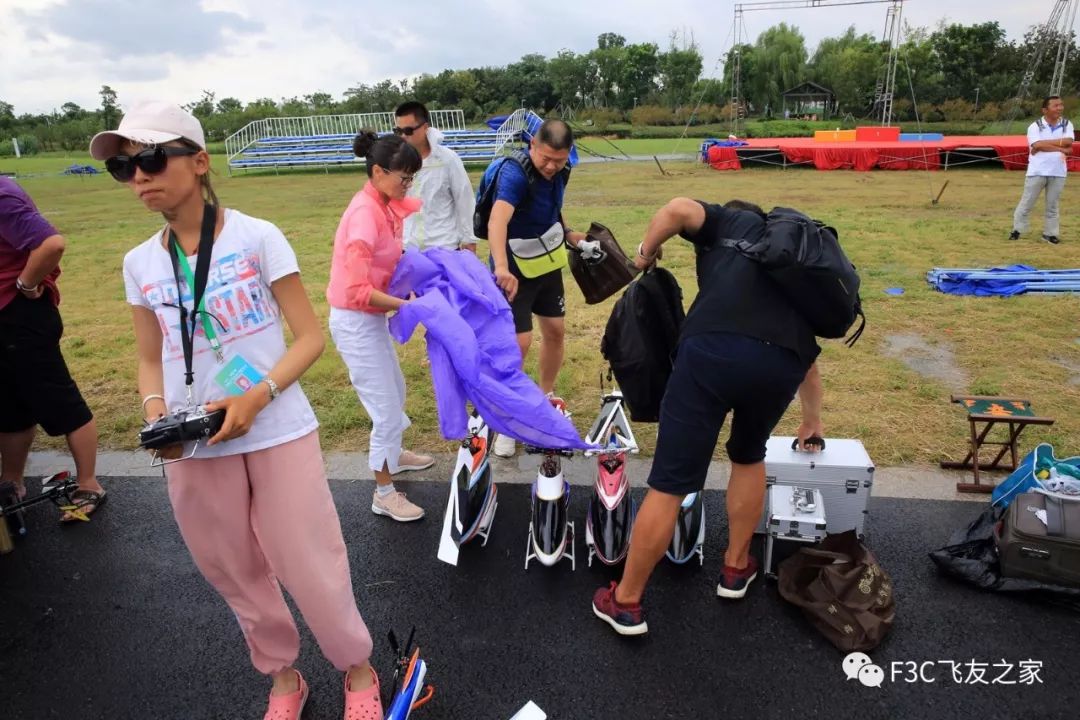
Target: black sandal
x,y
82,498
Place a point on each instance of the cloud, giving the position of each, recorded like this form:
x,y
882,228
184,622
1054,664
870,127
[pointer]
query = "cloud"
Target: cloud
x,y
173,49
135,28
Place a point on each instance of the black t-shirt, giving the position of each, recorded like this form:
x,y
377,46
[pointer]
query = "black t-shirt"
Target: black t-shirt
x,y
735,294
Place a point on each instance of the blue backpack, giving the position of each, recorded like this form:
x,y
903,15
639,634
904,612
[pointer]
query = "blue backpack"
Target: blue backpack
x,y
489,183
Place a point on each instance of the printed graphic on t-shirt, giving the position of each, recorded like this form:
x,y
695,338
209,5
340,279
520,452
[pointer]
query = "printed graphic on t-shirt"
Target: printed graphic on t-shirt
x,y
235,297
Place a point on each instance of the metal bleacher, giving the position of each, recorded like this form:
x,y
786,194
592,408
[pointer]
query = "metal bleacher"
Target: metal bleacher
x,y
326,140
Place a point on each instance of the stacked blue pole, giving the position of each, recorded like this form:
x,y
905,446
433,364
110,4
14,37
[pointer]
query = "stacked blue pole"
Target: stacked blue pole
x,y
1003,281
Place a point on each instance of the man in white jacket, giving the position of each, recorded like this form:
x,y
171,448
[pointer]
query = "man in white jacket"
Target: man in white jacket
x,y
442,184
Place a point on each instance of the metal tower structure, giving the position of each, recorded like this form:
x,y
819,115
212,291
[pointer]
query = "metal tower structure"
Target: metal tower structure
x,y
1064,41
883,95
736,74
883,99
1058,28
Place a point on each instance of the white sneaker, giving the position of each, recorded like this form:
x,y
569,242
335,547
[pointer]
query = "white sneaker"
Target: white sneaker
x,y
505,447
408,460
396,506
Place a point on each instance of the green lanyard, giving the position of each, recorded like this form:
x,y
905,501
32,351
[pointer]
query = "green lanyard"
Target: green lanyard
x,y
208,326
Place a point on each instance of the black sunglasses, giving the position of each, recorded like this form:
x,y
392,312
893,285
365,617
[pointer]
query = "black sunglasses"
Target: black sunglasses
x,y
151,161
408,130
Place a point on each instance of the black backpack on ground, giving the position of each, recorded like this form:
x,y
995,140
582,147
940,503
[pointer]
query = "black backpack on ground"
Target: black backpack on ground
x,y
640,339
805,259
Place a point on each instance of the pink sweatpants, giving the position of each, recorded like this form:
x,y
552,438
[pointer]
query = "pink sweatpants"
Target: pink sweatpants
x,y
256,519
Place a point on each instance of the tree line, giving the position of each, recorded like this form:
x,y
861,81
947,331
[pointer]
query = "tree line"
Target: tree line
x,y
952,72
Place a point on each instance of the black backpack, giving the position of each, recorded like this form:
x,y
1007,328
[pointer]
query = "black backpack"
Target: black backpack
x,y
489,182
640,339
805,259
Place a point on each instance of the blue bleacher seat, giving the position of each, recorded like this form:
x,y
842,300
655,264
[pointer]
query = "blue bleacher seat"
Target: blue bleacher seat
x,y
921,137
473,146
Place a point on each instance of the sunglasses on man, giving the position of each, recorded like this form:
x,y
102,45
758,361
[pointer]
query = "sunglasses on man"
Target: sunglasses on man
x,y
151,161
408,131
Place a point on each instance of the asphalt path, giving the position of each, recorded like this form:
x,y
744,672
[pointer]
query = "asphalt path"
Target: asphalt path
x,y
111,620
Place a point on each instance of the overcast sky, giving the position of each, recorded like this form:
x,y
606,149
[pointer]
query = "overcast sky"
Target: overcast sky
x,y
54,51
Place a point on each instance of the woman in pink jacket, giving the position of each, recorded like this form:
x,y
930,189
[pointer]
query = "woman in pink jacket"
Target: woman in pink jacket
x,y
367,248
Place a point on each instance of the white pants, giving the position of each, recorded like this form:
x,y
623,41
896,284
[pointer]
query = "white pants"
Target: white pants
x,y
1034,185
364,343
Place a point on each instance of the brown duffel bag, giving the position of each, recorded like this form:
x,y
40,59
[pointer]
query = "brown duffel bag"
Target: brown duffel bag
x,y
601,278
842,590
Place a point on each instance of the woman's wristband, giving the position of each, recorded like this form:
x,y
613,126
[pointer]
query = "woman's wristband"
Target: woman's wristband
x,y
148,398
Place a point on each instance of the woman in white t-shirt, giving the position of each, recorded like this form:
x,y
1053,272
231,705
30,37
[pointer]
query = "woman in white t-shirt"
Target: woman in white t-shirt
x,y
252,503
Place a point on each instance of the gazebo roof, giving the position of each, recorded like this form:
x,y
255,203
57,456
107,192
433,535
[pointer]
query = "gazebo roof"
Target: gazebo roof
x,y
808,88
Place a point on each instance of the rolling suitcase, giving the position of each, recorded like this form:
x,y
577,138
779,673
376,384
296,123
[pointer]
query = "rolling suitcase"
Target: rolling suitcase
x,y
843,472
1039,539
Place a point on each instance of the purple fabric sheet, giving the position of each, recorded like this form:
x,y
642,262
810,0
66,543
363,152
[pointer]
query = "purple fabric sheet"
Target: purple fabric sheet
x,y
473,349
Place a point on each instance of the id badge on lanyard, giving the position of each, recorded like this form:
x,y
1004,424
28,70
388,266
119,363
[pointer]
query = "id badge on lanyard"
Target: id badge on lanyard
x,y
235,374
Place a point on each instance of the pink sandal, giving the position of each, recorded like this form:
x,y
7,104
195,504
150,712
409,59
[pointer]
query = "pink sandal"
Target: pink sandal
x,y
288,707
363,704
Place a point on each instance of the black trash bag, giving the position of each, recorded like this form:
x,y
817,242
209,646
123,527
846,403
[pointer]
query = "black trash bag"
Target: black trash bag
x,y
971,556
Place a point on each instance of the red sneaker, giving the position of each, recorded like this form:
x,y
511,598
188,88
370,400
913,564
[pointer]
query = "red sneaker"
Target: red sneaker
x,y
734,582
623,619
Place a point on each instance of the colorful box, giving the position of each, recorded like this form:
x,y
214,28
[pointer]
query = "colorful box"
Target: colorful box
x,y
834,136
921,137
877,134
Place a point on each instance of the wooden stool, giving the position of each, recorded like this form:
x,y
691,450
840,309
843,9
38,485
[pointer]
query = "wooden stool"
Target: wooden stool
x,y
990,411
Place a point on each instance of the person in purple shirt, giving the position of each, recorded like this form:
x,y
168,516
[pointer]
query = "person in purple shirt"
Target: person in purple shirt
x,y
35,385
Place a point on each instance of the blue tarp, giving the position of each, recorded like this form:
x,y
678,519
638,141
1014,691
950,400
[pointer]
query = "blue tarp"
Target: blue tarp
x,y
532,124
1003,281
709,142
82,170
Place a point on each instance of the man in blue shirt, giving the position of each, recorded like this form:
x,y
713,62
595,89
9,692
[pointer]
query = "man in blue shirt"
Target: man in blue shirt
x,y
528,205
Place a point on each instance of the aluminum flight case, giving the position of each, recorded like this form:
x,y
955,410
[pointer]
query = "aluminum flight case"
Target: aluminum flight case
x,y
843,472
795,514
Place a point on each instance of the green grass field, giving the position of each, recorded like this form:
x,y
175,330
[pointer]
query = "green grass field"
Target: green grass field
x,y
1025,346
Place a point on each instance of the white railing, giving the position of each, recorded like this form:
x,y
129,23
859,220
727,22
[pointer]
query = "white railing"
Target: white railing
x,y
317,125
510,131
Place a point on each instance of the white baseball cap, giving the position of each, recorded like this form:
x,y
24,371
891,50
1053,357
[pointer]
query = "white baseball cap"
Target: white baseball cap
x,y
149,123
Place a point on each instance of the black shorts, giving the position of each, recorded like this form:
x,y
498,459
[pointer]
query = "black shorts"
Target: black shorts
x,y
35,385
714,374
543,296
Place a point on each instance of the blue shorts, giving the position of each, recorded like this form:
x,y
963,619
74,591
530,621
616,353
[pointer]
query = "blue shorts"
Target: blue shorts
x,y
714,374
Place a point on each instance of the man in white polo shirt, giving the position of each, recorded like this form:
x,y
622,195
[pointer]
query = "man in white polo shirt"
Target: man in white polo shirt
x,y
446,218
1050,139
